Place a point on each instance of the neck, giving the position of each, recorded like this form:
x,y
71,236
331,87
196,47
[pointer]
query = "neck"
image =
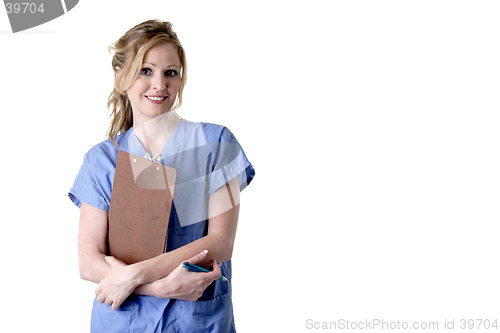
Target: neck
x,y
154,133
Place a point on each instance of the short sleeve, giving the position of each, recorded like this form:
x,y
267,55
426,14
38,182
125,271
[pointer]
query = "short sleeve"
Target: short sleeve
x,y
90,185
227,160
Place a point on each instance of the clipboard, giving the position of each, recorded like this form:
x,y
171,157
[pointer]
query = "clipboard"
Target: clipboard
x,y
140,206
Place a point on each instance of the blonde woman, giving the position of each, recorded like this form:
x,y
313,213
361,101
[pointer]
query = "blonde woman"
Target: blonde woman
x,y
158,294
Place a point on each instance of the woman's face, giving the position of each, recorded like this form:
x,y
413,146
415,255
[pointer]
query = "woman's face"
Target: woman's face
x,y
155,90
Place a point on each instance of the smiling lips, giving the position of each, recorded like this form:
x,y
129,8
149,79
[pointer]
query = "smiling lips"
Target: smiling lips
x,y
156,99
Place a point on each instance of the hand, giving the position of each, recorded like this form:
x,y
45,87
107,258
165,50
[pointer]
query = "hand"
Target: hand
x,y
185,285
117,285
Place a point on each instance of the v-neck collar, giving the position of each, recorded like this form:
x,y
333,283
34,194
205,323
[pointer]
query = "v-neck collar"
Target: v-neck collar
x,y
135,147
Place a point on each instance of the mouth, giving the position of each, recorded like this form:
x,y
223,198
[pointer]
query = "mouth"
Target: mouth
x,y
156,98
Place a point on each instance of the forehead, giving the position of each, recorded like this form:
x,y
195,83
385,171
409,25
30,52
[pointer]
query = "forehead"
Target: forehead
x,y
164,54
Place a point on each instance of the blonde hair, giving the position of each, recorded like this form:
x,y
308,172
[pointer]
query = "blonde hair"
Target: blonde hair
x,y
129,52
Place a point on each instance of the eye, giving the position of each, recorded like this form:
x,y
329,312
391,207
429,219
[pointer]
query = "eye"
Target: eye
x,y
171,73
146,71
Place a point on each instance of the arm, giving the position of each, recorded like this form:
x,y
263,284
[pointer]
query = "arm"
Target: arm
x,y
92,233
223,212
179,284
153,274
219,241
93,263
95,266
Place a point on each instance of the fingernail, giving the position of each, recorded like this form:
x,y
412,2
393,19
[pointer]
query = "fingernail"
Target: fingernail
x,y
204,252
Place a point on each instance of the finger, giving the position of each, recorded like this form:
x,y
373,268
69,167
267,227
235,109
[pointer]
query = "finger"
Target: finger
x,y
98,290
110,260
116,304
118,261
198,258
101,298
216,273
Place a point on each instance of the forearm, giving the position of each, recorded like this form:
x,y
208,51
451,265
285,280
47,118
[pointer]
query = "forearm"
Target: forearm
x,y
218,243
93,267
163,265
224,210
219,249
182,283
150,289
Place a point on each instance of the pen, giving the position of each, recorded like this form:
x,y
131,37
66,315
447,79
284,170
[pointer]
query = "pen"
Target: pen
x,y
198,269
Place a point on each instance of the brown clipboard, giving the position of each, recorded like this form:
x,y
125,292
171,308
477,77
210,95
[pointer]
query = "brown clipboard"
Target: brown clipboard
x,y
139,211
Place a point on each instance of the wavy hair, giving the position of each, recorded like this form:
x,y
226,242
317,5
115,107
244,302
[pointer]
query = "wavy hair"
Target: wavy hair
x,y
129,52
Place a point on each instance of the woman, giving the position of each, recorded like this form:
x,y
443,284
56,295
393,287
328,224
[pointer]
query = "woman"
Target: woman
x,y
210,169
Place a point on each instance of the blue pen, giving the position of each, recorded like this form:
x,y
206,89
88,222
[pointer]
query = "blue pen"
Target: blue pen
x,y
198,269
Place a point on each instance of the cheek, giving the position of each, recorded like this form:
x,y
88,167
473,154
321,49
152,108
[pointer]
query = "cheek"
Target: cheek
x,y
137,87
175,86
134,93
131,92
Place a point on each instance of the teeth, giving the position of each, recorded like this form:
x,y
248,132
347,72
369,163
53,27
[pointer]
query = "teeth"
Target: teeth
x,y
156,98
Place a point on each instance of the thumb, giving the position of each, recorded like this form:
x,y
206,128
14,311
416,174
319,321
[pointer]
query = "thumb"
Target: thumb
x,y
216,270
198,258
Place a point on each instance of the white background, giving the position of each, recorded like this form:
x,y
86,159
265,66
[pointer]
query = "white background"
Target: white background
x,y
373,127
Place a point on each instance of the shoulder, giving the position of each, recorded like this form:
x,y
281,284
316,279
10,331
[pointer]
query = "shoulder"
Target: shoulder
x,y
100,151
94,181
105,151
209,131
217,133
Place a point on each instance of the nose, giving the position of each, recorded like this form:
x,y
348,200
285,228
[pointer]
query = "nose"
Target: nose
x,y
159,82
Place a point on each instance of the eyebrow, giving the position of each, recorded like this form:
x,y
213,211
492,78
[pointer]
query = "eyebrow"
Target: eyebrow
x,y
150,63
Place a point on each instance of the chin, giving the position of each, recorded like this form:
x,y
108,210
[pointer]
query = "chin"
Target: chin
x,y
158,112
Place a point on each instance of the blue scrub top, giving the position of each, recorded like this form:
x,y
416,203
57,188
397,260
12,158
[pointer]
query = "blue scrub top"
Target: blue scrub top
x,y
192,147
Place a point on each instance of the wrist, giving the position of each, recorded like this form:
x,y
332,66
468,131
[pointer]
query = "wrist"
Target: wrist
x,y
164,287
146,271
136,274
